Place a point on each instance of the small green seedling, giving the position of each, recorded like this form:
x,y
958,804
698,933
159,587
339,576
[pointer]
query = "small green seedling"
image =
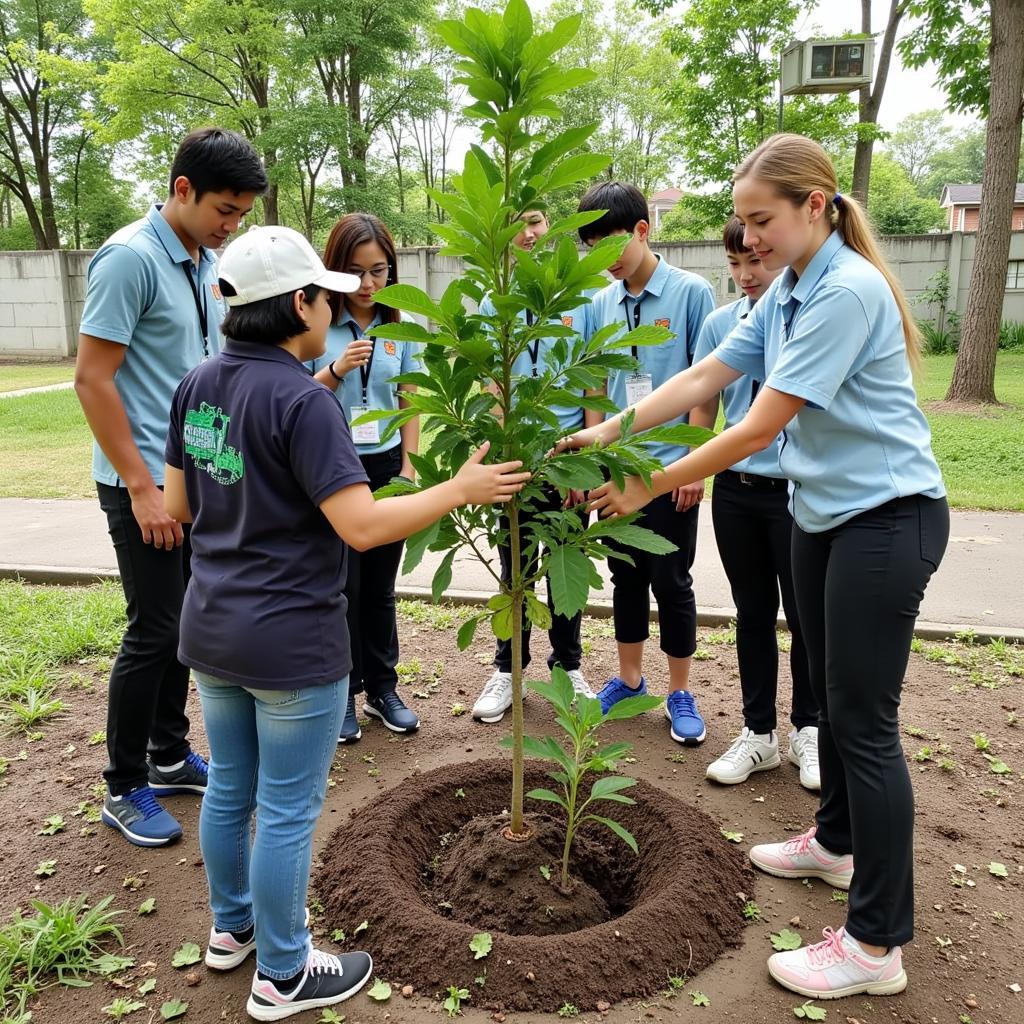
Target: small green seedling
x,y
699,999
786,939
45,868
568,1010
545,872
458,709
379,990
330,1016
997,767
732,837
840,896
999,870
751,911
173,1009
453,1002
581,718
360,928
186,955
97,738
808,1011
121,1007
924,754
338,935
146,987
481,944
981,741
460,794
52,825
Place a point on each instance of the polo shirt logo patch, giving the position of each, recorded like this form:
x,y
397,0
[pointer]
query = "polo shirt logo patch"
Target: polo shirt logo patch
x,y
389,348
203,437
567,321
666,323
215,288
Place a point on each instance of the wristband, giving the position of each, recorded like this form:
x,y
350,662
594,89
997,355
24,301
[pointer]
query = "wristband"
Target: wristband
x,y
330,367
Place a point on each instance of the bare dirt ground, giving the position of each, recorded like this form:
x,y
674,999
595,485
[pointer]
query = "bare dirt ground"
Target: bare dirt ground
x,y
963,965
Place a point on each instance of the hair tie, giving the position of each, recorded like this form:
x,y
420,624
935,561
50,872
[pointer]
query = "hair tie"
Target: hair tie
x,y
838,199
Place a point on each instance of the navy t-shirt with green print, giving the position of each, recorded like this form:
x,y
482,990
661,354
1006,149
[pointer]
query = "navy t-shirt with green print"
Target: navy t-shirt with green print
x,y
261,445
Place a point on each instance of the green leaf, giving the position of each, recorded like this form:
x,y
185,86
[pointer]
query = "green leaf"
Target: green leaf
x,y
467,631
570,574
443,576
699,999
997,767
545,872
481,944
186,955
416,546
786,939
997,869
146,987
626,837
147,906
404,330
732,837
633,706
173,1008
537,611
548,797
575,169
610,784
379,990
359,928
808,1011
638,537
411,299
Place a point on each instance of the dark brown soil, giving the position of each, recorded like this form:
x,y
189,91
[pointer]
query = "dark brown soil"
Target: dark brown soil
x,y
969,946
677,899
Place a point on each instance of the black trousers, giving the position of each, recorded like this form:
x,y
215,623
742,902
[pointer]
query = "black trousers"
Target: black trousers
x,y
668,576
753,530
564,634
148,685
370,589
858,590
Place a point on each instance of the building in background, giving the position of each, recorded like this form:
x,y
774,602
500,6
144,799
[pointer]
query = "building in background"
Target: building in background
x,y
964,202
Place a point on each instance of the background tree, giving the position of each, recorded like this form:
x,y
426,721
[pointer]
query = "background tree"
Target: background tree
x,y
978,48
916,143
895,206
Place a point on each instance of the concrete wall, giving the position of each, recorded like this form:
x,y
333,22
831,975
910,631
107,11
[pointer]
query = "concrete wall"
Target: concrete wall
x,y
42,293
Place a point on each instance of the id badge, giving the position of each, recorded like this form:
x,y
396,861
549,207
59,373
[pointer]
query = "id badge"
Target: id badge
x,y
638,386
364,433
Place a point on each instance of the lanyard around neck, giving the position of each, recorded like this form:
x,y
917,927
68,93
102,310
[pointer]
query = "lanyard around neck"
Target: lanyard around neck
x,y
204,322
364,371
637,303
534,349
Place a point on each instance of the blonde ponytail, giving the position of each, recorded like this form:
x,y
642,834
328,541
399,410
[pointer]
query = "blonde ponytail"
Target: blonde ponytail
x,y
797,166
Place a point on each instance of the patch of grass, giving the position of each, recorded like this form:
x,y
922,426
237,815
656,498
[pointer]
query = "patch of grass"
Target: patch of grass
x,y
980,453
47,447
57,944
15,376
436,616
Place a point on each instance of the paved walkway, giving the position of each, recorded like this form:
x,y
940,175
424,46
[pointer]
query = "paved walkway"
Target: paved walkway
x,y
978,585
63,386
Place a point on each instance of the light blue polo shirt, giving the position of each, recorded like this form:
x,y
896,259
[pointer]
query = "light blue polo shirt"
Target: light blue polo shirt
x,y
138,295
390,358
570,418
673,298
834,337
736,398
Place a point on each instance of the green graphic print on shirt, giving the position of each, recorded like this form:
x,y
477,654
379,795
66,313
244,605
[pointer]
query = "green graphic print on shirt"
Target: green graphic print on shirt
x,y
203,438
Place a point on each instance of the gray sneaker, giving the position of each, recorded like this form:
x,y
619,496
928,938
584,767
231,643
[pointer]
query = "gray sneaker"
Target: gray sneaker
x,y
495,698
579,684
189,778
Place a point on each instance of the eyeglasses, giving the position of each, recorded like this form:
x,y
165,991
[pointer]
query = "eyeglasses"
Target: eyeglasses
x,y
377,273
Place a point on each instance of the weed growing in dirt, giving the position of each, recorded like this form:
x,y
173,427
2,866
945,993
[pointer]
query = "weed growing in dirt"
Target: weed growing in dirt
x,y
60,944
580,718
30,707
454,1000
751,911
122,1007
568,1010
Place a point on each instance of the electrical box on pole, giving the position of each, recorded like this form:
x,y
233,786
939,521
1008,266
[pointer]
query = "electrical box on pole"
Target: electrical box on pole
x,y
827,65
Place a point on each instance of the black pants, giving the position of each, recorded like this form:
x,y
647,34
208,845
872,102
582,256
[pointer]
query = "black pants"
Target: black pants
x,y
148,685
564,634
370,589
753,530
858,589
668,576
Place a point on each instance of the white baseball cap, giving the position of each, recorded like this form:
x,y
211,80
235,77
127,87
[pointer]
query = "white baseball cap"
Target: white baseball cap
x,y
275,260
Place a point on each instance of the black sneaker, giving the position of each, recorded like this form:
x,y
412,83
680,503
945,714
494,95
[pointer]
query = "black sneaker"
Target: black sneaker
x,y
391,710
327,979
350,731
189,778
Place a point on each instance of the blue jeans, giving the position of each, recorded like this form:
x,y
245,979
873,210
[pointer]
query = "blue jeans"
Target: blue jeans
x,y
270,752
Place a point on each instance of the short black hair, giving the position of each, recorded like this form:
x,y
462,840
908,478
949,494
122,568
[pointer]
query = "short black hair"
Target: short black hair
x,y
624,205
218,160
732,237
268,321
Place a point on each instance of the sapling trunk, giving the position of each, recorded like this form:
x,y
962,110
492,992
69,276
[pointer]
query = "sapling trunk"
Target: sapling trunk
x,y
570,826
517,670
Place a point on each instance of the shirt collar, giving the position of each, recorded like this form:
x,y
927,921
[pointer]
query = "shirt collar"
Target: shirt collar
x,y
170,241
655,286
268,353
347,318
799,288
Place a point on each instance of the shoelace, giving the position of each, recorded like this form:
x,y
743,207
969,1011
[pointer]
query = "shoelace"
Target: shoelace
x,y
807,751
736,753
800,844
320,962
682,704
145,801
195,761
496,684
391,701
831,951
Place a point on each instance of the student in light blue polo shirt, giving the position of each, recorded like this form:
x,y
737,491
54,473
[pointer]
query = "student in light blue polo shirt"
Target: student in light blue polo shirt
x,y
360,372
647,290
834,341
753,528
564,634
152,313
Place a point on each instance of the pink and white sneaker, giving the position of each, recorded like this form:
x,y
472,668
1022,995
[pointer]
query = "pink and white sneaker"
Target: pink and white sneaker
x,y
838,967
804,857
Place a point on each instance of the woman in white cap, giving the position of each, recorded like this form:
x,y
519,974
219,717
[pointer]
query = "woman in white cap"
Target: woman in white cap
x,y
261,461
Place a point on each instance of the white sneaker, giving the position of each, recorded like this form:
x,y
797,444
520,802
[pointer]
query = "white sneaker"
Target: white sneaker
x,y
495,698
803,752
750,752
579,684
804,857
838,967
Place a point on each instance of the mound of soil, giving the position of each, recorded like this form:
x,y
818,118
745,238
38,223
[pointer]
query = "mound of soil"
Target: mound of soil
x,y
675,908
492,883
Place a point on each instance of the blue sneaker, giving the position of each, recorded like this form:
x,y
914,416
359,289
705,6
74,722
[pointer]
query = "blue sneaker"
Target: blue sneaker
x,y
617,689
687,725
140,818
391,710
350,731
189,778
